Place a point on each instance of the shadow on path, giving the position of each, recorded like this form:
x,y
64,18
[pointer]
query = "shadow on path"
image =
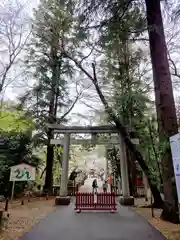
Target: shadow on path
x,y
65,224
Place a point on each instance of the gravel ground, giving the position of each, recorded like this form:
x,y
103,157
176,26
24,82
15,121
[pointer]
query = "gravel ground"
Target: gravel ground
x,y
169,230
23,218
65,224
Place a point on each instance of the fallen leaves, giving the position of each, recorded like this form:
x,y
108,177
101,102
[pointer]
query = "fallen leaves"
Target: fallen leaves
x,y
169,230
23,217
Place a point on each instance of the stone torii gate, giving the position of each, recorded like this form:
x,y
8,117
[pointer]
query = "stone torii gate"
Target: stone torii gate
x,y
63,199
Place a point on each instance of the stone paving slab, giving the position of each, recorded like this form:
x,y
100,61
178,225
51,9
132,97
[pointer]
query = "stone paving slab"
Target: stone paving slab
x,y
65,224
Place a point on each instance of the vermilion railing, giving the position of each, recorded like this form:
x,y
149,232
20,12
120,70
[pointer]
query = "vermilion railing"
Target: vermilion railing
x,y
99,201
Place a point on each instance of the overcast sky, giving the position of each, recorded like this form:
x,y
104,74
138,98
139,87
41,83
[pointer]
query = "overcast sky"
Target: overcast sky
x,y
15,89
12,92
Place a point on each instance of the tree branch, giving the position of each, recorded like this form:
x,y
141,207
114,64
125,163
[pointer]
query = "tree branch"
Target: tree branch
x,y
175,73
120,126
116,14
72,106
43,172
70,109
12,38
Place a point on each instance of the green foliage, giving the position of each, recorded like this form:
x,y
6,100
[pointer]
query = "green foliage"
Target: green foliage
x,y
15,143
12,119
54,32
16,148
124,68
45,61
3,221
112,154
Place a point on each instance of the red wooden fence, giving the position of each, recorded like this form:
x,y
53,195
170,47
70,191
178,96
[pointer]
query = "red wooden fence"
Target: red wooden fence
x,y
104,201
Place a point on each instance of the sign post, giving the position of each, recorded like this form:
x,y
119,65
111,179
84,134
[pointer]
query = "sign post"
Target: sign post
x,y
175,151
21,172
12,193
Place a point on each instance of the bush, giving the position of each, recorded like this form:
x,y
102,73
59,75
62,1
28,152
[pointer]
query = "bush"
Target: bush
x,y
3,219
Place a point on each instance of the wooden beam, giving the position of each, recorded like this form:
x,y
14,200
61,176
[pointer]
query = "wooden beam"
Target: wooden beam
x,y
84,141
73,141
58,128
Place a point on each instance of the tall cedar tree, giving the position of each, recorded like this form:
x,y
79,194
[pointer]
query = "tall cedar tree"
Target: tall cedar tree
x,y
52,31
165,106
130,97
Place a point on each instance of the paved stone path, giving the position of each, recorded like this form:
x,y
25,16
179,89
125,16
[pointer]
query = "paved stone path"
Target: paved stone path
x,y
65,224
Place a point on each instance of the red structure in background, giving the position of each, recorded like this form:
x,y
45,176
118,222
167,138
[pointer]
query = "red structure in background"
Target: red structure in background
x,y
139,181
104,201
110,180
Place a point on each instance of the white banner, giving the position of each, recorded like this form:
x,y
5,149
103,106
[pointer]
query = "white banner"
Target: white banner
x,y
175,151
22,172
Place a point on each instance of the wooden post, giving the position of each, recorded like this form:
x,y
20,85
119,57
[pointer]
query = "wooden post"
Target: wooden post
x,y
152,209
145,181
29,196
47,196
6,204
1,215
12,193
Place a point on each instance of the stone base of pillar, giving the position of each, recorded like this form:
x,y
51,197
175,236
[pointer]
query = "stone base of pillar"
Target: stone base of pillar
x,y
62,200
126,201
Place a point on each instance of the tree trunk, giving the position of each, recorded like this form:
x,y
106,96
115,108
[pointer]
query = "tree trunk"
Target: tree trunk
x,y
124,134
165,106
131,174
158,202
53,105
155,154
48,187
50,149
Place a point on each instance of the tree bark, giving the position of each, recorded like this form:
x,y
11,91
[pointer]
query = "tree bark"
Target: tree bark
x,y
158,202
155,153
48,187
53,105
50,148
165,107
132,174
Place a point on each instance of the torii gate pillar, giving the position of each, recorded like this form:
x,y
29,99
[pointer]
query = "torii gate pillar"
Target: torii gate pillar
x,y
63,199
65,166
126,199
